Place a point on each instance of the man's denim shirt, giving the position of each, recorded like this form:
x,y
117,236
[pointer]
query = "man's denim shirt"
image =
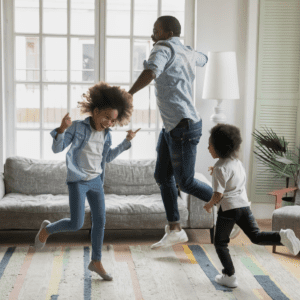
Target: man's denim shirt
x,y
78,134
174,66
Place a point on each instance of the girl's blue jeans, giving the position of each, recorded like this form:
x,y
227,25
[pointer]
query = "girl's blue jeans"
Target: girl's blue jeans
x,y
93,190
175,166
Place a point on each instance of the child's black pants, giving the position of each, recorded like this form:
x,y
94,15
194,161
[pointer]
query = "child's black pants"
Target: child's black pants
x,y
244,218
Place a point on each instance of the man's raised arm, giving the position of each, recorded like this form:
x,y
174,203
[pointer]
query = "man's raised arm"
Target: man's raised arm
x,y
143,80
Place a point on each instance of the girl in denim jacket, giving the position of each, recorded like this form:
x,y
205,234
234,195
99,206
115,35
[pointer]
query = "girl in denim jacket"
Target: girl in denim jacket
x,y
85,160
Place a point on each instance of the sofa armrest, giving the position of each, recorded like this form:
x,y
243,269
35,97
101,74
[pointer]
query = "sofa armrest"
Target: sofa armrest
x,y
198,216
2,185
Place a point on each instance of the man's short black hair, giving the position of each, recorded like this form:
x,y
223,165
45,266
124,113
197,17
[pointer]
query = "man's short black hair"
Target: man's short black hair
x,y
170,23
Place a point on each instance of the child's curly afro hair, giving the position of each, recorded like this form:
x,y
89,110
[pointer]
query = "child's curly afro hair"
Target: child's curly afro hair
x,y
226,140
103,96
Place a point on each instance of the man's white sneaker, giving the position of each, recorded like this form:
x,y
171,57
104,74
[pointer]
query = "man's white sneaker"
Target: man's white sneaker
x,y
288,239
235,231
171,237
229,281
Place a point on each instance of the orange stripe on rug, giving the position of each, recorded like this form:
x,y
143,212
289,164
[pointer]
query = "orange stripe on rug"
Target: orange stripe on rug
x,y
123,254
184,254
22,275
261,294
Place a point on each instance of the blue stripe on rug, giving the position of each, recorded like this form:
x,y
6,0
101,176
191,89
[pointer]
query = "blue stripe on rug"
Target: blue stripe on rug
x,y
270,287
5,260
208,268
87,290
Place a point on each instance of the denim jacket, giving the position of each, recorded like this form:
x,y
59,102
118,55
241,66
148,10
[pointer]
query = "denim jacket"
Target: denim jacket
x,y
78,134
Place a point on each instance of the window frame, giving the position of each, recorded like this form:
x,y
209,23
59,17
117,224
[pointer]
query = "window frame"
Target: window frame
x,y
99,59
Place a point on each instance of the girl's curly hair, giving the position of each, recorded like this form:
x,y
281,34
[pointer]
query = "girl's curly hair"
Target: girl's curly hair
x,y
226,140
103,96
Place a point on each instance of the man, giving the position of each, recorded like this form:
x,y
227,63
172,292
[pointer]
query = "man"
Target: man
x,y
172,65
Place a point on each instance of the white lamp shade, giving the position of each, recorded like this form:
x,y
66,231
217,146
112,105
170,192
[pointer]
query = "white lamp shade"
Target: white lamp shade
x,y
221,79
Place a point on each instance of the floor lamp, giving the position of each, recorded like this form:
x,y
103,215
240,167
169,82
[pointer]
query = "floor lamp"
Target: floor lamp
x,y
220,81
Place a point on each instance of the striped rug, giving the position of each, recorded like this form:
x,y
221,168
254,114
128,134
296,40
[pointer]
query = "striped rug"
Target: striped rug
x,y
178,272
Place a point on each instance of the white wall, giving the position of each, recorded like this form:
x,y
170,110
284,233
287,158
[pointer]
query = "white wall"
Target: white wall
x,y
230,25
2,107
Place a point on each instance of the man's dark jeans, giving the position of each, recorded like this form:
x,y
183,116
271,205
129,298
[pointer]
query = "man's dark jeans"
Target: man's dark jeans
x,y
176,158
244,218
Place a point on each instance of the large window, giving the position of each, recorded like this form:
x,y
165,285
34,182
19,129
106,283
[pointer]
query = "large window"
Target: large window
x,y
61,48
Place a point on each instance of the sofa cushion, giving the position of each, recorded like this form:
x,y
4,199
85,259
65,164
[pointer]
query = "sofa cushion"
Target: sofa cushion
x,y
138,204
32,176
130,177
114,204
44,203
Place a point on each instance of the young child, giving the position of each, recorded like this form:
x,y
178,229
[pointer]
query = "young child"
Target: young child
x,y
228,182
85,160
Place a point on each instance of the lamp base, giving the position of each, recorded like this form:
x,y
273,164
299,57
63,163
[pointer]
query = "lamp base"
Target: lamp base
x,y
218,116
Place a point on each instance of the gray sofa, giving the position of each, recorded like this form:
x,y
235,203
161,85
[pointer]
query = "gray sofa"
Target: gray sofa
x,y
35,190
288,217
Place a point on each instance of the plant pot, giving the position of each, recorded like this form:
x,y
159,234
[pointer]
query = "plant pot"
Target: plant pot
x,y
287,201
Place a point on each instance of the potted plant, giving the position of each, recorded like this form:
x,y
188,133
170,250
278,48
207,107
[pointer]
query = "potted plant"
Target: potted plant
x,y
273,152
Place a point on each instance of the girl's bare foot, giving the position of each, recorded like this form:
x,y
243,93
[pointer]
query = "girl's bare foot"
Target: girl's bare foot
x,y
99,266
43,235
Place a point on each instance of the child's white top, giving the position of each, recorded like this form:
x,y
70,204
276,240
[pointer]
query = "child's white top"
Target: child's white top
x,y
89,159
229,178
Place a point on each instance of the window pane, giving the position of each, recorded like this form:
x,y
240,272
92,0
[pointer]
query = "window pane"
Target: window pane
x,y
117,138
82,59
48,152
144,145
145,16
27,16
55,105
27,58
141,52
83,17
55,59
76,95
118,60
176,9
55,10
28,105
28,144
118,17
144,113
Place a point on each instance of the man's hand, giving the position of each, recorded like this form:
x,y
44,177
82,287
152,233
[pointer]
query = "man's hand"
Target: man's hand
x,y
131,134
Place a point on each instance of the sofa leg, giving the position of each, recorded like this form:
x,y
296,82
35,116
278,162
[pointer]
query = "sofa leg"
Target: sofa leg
x,y
274,249
90,233
212,231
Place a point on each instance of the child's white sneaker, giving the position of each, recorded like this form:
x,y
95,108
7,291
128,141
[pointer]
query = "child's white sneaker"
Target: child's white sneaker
x,y
171,237
288,239
229,281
